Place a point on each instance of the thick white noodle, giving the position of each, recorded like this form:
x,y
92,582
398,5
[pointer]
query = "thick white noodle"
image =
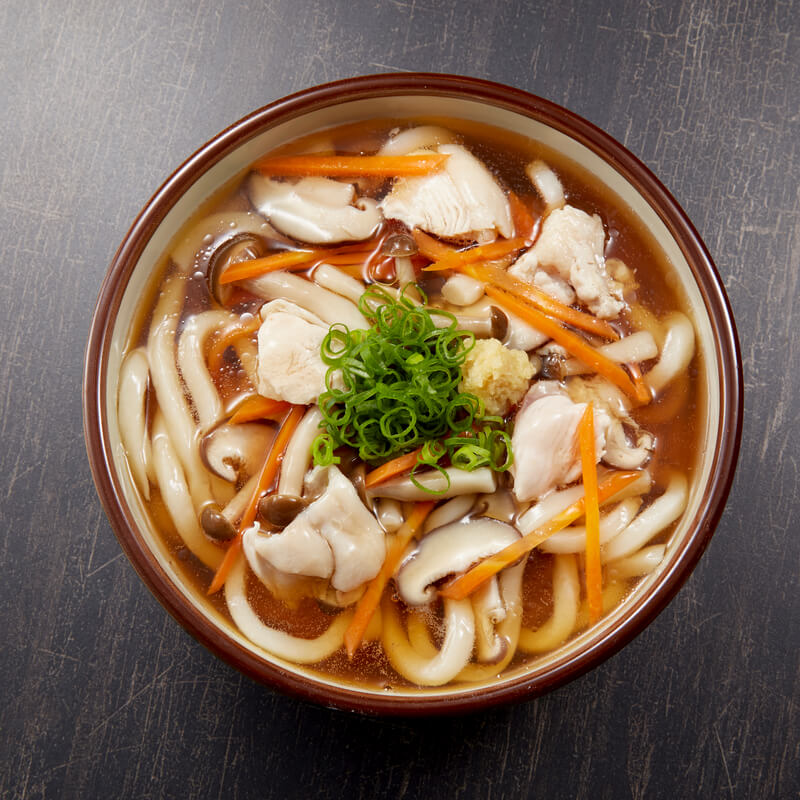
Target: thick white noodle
x,y
329,277
298,453
676,353
192,364
328,306
489,611
411,139
573,539
169,390
247,352
650,522
639,346
449,512
640,563
237,505
175,493
555,502
442,667
132,407
566,598
508,629
278,643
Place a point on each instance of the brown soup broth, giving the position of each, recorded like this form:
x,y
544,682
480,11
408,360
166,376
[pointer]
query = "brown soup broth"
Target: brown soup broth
x,y
675,419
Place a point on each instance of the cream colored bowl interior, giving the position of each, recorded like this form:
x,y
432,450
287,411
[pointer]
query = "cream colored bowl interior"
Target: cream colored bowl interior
x,y
397,107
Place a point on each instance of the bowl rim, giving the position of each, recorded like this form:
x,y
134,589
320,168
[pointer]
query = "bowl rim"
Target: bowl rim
x,y
701,265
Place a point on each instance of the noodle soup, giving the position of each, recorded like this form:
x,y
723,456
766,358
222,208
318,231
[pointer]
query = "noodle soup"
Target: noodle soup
x,y
415,402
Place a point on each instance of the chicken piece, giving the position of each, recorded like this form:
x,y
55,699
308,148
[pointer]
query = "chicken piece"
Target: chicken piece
x,y
545,441
315,210
570,248
335,537
462,200
495,374
289,363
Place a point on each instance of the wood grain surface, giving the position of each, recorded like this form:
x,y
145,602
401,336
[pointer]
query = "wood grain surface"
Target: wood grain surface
x,y
103,694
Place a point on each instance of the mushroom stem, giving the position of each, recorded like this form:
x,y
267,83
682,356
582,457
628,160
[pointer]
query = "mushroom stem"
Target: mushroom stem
x,y
298,453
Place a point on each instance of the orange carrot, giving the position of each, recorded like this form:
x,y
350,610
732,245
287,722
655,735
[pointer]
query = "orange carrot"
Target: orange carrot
x,y
594,572
392,468
257,407
524,222
465,584
372,596
571,342
380,166
222,341
642,388
286,259
265,478
431,247
483,252
489,273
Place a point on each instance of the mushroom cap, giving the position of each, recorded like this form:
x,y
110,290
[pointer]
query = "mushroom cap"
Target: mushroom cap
x,y
451,548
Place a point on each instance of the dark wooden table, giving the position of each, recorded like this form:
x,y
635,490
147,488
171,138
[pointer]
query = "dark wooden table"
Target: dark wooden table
x,y
103,694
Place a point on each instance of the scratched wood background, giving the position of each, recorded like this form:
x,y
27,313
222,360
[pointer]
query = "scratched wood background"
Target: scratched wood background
x,y
103,695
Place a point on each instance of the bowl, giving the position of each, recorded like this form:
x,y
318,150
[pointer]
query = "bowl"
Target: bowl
x,y
410,95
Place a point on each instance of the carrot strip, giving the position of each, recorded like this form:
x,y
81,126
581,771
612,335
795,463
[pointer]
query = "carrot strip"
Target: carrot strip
x,y
484,252
524,221
465,584
265,478
222,341
638,381
381,166
431,247
392,468
571,342
243,270
594,572
258,407
488,273
372,596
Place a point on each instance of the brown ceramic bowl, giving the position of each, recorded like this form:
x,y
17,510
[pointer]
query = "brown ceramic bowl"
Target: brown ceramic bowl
x,y
399,96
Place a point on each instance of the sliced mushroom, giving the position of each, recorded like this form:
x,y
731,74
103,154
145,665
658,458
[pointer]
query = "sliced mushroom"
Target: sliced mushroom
x,y
461,482
242,247
234,452
487,604
452,548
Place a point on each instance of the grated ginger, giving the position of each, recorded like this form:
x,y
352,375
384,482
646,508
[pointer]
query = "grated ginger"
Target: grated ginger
x,y
496,374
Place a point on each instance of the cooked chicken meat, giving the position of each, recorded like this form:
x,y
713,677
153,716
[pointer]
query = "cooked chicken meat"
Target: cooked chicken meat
x,y
335,537
545,441
289,364
569,255
462,200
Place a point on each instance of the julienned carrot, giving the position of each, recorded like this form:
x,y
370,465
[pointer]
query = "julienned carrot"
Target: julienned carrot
x,y
265,478
594,571
243,270
258,407
524,221
571,342
488,273
224,340
483,252
430,247
379,166
467,583
392,468
372,596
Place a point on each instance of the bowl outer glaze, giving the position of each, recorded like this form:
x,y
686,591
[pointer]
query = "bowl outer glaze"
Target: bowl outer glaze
x,y
589,650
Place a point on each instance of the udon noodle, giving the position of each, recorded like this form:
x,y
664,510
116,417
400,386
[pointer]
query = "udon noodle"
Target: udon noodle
x,y
400,406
